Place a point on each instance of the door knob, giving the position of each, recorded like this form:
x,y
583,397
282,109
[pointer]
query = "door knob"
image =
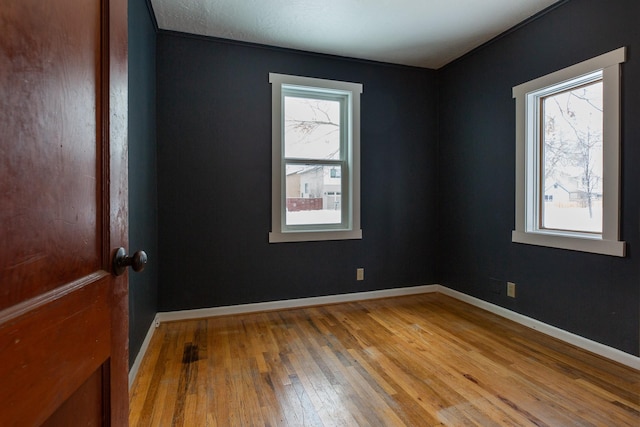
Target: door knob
x,y
121,261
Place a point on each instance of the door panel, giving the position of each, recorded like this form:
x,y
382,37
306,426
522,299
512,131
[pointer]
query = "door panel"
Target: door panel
x,y
49,154
84,408
63,211
49,351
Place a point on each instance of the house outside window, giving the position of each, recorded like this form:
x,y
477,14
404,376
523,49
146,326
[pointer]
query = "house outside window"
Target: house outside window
x,y
568,156
315,159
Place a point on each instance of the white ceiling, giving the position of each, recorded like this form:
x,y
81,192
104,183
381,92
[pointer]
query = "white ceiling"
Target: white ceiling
x,y
424,33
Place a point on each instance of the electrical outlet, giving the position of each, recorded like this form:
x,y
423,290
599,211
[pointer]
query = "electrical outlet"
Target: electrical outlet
x,y
511,289
359,273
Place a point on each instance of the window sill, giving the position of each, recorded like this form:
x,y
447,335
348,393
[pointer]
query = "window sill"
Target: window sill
x,y
314,236
595,246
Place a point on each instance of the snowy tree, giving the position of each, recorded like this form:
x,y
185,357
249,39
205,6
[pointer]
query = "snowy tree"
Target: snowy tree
x,y
573,140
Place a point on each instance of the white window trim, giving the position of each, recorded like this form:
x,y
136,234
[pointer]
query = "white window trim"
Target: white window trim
x,y
278,234
608,243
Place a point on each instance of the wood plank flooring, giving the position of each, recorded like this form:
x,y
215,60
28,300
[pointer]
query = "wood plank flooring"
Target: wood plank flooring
x,y
424,360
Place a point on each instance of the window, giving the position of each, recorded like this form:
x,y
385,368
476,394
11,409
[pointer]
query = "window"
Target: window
x,y
315,159
568,156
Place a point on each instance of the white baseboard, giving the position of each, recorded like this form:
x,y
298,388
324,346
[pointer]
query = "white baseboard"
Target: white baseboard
x,y
133,372
568,337
293,303
581,342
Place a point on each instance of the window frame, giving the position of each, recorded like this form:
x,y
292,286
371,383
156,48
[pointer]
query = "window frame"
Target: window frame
x,y
349,228
527,207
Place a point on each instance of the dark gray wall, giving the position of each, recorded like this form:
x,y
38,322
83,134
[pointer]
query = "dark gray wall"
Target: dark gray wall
x,y
214,178
143,203
594,296
431,213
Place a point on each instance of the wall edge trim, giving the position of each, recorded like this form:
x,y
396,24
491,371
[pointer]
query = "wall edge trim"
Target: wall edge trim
x,y
507,32
241,43
133,371
152,15
591,346
170,316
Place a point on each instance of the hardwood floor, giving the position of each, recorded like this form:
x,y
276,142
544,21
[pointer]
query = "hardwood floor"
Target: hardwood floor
x,y
424,360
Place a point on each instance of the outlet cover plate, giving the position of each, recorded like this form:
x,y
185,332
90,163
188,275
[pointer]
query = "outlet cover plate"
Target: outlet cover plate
x,y
511,289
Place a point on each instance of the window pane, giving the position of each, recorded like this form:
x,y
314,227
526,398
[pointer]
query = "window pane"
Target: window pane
x,y
313,194
572,160
311,128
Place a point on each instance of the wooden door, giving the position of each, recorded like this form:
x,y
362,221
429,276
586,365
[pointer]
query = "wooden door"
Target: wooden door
x,y
63,211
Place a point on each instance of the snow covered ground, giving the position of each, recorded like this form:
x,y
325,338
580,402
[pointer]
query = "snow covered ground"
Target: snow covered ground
x,y
576,219
324,216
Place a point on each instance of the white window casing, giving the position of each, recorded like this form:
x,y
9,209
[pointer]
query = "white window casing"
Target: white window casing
x,y
527,157
349,162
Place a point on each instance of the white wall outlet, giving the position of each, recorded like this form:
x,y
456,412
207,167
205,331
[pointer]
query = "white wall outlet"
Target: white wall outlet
x,y
359,273
511,289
